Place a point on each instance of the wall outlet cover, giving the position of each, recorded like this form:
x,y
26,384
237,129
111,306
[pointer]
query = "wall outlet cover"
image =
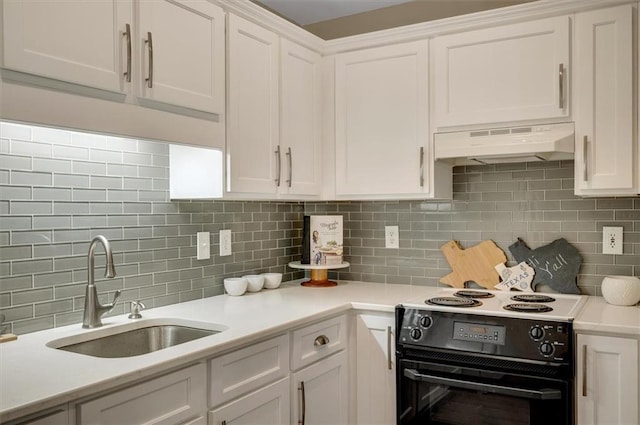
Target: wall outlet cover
x,y
391,237
612,240
225,242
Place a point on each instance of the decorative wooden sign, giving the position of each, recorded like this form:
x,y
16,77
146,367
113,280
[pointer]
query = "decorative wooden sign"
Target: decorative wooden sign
x,y
475,264
556,264
517,277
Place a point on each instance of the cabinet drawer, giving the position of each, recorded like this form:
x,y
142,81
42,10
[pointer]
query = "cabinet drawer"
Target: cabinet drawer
x,y
170,399
317,341
267,406
247,369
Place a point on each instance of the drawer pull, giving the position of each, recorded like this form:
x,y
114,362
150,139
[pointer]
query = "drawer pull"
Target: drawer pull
x,y
320,341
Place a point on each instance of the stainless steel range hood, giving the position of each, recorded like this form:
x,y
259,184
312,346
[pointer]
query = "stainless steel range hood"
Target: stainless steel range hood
x,y
548,142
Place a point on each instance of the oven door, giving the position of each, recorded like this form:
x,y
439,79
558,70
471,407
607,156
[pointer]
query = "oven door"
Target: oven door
x,y
439,394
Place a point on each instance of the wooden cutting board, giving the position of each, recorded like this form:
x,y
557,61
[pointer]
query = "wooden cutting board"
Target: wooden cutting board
x,y
476,264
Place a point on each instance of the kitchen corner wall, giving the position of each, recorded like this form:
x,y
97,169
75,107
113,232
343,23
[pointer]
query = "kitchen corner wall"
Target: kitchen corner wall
x,y
59,188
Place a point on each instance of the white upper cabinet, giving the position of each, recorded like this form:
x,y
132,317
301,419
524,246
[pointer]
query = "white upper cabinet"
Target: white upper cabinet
x,y
300,131
80,42
381,117
254,155
182,53
171,53
273,145
502,74
604,103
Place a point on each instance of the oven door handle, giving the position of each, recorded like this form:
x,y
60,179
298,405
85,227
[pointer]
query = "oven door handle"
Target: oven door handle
x,y
545,394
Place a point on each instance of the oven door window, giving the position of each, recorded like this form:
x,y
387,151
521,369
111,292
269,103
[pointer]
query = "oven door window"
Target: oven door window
x,y
459,396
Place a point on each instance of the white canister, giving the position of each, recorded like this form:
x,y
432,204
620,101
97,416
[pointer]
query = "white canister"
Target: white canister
x,y
621,290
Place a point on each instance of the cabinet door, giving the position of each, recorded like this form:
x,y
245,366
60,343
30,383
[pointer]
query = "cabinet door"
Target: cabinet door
x,y
381,120
171,399
75,41
321,392
267,406
604,158
182,53
300,130
375,375
607,381
254,158
508,73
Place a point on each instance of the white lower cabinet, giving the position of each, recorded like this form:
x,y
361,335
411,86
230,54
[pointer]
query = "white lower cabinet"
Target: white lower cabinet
x,y
607,380
320,382
267,406
321,392
176,398
375,369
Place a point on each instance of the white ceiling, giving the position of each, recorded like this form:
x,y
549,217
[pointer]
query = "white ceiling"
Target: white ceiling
x,y
305,12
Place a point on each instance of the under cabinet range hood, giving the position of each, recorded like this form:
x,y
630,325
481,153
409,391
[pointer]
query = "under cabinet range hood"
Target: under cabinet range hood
x,y
548,142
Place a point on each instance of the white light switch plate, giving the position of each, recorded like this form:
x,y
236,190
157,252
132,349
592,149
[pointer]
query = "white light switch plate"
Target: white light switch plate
x,y
612,240
203,251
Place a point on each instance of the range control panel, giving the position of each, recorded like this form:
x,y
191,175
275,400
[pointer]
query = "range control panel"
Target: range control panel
x,y
549,341
479,332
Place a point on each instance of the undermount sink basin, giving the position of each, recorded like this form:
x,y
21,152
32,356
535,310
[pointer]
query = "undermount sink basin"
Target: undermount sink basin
x,y
137,338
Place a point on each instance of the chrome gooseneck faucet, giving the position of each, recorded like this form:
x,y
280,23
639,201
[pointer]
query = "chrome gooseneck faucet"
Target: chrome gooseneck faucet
x,y
93,310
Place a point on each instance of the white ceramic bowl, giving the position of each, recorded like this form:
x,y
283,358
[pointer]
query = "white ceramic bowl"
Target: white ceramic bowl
x,y
621,290
235,285
272,280
256,282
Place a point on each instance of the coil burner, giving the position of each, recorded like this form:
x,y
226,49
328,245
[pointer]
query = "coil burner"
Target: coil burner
x,y
528,308
470,293
454,302
533,298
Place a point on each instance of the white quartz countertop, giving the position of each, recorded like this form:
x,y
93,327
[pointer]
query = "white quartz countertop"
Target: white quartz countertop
x,y
35,377
600,317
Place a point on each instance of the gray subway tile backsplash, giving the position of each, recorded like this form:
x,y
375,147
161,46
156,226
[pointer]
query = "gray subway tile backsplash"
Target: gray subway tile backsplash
x,y
62,188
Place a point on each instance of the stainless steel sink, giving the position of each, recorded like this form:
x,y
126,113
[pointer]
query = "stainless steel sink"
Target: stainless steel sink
x,y
147,337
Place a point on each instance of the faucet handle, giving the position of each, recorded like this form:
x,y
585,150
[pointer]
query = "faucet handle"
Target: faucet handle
x,y
136,306
113,303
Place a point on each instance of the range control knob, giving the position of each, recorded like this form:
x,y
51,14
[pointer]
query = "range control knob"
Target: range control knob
x,y
426,322
415,334
536,333
546,349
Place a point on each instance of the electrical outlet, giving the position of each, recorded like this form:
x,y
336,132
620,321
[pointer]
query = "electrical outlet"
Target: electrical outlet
x,y
391,238
225,242
203,250
611,240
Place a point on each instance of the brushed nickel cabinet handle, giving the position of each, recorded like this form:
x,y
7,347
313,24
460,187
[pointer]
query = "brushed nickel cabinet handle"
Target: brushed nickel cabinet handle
x,y
304,403
389,361
149,42
585,158
127,34
321,340
584,370
561,86
421,166
278,166
288,154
